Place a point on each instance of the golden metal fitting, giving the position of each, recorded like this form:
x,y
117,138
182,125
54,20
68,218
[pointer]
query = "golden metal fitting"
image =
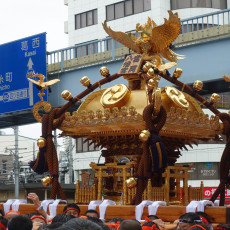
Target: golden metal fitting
x,y
177,72
131,182
104,71
47,181
177,97
150,73
198,85
66,95
203,103
115,96
182,89
78,99
151,84
215,98
85,81
41,142
144,135
146,67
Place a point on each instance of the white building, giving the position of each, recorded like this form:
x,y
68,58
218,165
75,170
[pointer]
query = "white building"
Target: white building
x,y
27,151
85,18
84,25
84,153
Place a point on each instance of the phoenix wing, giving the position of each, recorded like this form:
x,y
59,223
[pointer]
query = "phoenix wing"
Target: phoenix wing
x,y
164,35
51,82
121,37
35,82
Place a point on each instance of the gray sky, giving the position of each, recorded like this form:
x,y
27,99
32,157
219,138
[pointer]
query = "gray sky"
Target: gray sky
x,y
23,18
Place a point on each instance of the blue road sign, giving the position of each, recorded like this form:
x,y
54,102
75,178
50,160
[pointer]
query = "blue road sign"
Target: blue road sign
x,y
17,60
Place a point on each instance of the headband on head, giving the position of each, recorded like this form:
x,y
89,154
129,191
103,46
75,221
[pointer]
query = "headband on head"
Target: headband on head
x,y
114,226
147,219
69,209
189,221
153,227
2,226
197,225
13,211
204,220
40,217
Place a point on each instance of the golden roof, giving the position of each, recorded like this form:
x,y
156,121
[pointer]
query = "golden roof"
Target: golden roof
x,y
93,118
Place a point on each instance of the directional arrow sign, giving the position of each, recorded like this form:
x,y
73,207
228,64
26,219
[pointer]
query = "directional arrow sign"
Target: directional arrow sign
x,y
18,59
30,64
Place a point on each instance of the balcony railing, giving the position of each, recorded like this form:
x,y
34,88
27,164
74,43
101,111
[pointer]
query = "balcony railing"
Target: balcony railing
x,y
111,47
205,21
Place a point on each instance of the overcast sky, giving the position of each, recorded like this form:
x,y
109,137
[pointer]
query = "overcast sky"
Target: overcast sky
x,y
23,18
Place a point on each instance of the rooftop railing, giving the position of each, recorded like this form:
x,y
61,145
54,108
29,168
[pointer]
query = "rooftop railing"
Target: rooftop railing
x,y
196,23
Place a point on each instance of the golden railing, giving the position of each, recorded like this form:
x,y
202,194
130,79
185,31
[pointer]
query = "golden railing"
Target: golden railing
x,y
196,193
150,193
84,195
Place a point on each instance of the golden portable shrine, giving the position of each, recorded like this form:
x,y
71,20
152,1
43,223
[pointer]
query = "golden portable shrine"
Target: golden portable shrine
x,y
140,127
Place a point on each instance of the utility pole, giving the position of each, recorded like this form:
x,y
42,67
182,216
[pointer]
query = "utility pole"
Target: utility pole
x,y
16,162
70,160
16,168
33,151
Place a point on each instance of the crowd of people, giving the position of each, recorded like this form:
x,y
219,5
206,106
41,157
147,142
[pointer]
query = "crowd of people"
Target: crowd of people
x,y
73,219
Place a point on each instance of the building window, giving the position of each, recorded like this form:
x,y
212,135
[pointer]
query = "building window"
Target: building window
x,y
126,8
85,19
4,166
182,4
85,146
79,145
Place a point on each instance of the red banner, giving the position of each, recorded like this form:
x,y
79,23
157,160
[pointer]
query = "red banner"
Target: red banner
x,y
208,192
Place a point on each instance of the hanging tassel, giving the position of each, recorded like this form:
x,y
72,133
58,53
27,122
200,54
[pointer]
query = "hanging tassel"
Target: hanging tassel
x,y
39,165
158,154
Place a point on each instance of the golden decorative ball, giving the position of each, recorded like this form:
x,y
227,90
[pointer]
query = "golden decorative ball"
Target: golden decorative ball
x,y
66,95
150,73
47,181
215,98
146,67
131,182
226,77
177,72
151,84
104,71
85,81
198,85
41,142
144,135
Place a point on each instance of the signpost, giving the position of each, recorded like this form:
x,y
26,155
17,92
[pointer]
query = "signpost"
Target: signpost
x,y
17,60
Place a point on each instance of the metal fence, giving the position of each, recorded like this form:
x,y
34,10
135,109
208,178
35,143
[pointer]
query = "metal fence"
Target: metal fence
x,y
205,21
201,22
